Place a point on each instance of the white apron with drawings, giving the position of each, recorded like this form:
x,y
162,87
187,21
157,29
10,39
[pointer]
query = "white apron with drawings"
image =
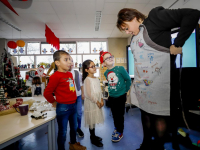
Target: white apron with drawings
x,y
151,89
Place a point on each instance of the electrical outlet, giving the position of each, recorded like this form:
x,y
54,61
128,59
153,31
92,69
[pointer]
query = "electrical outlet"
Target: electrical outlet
x,y
185,1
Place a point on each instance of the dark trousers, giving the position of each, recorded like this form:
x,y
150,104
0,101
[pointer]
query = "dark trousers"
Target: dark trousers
x,y
118,109
65,113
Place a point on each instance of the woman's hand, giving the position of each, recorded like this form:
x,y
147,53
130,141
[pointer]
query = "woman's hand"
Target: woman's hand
x,y
102,103
175,50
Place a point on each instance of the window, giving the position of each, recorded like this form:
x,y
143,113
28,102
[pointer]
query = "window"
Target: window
x,y
33,48
96,47
70,48
37,53
17,51
83,47
24,60
44,59
94,58
47,48
97,73
77,58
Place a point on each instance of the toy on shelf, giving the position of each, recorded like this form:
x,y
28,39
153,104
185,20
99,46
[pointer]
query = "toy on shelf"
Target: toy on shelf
x,y
40,72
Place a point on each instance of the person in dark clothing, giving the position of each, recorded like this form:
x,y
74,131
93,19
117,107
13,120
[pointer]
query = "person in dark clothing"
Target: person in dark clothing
x,y
153,34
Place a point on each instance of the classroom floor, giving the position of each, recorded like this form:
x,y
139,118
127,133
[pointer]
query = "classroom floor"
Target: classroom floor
x,y
132,139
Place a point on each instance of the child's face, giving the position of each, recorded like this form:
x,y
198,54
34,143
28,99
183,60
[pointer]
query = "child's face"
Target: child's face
x,y
64,63
108,59
92,68
72,63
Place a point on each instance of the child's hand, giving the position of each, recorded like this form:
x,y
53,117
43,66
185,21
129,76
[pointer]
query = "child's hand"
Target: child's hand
x,y
82,96
99,104
102,103
54,104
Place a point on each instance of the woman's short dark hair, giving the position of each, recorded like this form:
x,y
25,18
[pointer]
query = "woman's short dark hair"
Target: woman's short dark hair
x,y
127,15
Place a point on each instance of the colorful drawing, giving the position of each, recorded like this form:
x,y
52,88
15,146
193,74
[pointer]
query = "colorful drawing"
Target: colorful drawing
x,y
157,70
147,82
71,85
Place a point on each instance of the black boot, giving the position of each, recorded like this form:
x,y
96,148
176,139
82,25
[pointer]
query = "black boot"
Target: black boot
x,y
98,138
144,147
96,141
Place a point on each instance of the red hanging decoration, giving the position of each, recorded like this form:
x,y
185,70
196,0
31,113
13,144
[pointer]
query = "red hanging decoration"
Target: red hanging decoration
x,y
6,3
12,44
51,38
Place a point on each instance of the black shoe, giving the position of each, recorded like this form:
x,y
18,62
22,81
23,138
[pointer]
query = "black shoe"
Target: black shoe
x,y
96,142
80,133
98,138
143,147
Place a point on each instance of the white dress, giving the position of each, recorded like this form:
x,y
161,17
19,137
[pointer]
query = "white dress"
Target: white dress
x,y
92,91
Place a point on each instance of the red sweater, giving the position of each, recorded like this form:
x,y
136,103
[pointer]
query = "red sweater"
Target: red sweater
x,y
62,84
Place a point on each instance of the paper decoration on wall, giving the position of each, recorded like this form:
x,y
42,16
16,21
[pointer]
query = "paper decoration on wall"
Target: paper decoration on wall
x,y
95,50
6,3
70,50
21,50
52,50
44,51
20,43
15,51
51,38
12,44
40,72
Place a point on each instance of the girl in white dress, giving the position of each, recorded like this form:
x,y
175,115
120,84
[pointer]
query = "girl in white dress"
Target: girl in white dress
x,y
93,101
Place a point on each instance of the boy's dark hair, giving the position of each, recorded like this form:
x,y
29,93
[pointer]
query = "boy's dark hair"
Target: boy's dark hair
x,y
57,56
85,65
36,80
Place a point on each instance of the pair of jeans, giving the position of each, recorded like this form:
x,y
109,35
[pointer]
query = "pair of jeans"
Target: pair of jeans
x,y
65,113
118,110
79,110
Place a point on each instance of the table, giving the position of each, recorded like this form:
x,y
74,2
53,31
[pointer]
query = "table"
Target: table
x,y
14,126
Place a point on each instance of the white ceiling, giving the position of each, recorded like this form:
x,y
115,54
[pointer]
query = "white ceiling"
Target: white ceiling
x,y
68,18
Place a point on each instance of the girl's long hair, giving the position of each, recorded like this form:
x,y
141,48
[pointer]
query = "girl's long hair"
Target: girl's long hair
x,y
36,80
85,65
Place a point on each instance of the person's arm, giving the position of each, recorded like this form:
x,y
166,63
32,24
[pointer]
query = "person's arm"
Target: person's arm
x,y
126,78
81,84
82,93
33,90
42,88
51,68
167,19
48,93
88,91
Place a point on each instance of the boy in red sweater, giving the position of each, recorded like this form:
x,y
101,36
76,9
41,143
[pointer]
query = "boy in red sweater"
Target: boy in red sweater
x,y
62,84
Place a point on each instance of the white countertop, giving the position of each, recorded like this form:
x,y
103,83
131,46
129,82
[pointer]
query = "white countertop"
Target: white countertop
x,y
13,125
